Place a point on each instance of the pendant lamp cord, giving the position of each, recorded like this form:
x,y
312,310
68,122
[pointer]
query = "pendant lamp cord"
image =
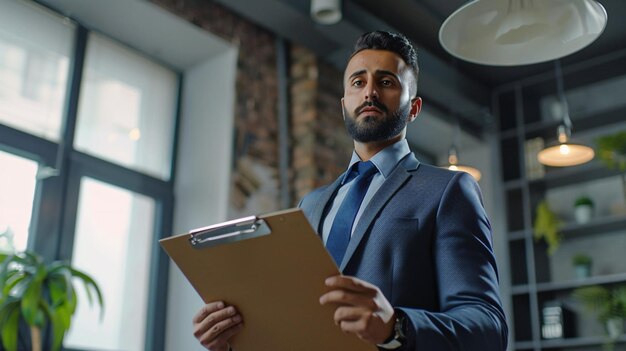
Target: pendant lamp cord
x,y
561,95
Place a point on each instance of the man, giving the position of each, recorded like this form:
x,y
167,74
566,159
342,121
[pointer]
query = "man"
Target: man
x,y
413,241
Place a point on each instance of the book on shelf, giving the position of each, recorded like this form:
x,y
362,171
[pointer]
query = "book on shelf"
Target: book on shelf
x,y
534,169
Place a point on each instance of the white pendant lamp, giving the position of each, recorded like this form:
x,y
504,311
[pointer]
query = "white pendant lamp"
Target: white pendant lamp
x,y
453,165
520,32
326,11
453,156
564,152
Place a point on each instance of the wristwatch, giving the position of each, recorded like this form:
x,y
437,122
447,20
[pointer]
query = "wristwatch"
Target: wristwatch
x,y
399,333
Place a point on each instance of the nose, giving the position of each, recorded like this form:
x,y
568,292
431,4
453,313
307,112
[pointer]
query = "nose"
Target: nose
x,y
371,93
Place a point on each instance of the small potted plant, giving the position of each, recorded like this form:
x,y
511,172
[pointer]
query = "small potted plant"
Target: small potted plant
x,y
583,209
39,294
609,304
547,226
582,266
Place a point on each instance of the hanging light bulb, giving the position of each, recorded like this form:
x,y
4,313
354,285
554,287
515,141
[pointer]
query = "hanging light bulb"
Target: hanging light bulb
x,y
453,161
453,156
564,152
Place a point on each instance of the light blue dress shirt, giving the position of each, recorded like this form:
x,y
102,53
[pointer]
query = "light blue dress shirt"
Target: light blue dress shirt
x,y
385,161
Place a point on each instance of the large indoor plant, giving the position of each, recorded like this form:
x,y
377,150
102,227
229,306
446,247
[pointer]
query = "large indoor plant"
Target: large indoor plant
x,y
39,294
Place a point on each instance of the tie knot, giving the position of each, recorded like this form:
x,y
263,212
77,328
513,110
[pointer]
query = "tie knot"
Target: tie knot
x,y
366,168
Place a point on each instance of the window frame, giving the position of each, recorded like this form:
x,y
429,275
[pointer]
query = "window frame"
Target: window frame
x,y
52,226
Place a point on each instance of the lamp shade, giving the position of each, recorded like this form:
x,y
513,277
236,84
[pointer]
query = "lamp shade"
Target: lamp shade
x,y
519,32
467,169
565,155
453,160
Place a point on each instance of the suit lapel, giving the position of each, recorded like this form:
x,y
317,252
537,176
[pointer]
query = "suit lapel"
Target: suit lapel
x,y
391,185
322,201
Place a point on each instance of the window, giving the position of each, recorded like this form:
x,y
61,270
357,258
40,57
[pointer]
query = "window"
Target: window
x,y
17,189
114,232
106,142
127,108
35,50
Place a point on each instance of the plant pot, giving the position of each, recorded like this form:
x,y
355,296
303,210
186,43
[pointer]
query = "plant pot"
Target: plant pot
x,y
615,327
583,213
582,271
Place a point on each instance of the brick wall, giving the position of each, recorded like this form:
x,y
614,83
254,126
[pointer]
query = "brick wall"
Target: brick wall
x,y
319,145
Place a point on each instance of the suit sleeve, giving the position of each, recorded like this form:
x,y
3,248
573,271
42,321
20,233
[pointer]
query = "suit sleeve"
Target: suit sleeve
x,y
470,317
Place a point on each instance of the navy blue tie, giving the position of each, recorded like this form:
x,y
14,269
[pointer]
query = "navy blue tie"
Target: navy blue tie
x,y
341,230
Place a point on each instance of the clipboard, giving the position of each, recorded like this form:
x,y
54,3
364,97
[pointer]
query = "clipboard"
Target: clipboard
x,y
272,269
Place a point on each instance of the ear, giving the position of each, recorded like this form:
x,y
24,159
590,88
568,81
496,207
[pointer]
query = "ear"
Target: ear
x,y
416,107
343,109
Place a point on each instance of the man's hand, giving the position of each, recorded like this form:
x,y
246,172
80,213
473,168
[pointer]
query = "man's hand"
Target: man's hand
x,y
362,308
215,324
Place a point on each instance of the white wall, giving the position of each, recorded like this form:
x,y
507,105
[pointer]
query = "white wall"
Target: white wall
x,y
202,179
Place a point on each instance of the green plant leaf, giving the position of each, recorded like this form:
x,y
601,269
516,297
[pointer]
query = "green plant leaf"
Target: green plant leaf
x,y
9,327
30,303
90,283
58,328
547,226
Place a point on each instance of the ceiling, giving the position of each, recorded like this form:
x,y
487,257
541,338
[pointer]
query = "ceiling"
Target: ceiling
x,y
454,91
443,78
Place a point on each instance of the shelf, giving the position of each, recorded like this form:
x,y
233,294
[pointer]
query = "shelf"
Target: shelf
x,y
570,175
520,289
517,235
524,345
508,134
568,342
596,225
581,121
583,341
572,284
513,184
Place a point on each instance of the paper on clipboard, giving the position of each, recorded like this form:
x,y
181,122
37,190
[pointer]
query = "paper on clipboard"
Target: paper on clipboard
x,y
272,268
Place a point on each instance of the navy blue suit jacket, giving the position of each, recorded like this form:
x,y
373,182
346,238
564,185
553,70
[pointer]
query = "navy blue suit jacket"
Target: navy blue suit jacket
x,y
425,241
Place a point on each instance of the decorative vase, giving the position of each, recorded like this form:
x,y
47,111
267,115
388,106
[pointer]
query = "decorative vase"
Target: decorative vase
x,y
582,271
583,213
615,327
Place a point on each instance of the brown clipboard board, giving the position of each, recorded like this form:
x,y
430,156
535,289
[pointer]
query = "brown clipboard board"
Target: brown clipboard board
x,y
272,268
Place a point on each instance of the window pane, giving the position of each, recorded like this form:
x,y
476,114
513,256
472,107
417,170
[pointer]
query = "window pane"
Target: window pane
x,y
127,108
114,234
17,190
35,48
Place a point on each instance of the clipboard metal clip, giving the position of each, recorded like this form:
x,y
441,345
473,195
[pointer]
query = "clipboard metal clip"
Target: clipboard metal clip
x,y
228,232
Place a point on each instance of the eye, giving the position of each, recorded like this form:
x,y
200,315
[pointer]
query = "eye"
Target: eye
x,y
357,83
386,82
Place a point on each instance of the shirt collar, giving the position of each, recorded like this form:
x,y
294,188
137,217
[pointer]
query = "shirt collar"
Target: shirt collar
x,y
385,160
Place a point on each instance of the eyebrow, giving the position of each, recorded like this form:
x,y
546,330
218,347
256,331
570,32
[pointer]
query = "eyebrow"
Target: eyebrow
x,y
378,72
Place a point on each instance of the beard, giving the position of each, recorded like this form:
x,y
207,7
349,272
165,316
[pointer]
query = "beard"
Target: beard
x,y
372,129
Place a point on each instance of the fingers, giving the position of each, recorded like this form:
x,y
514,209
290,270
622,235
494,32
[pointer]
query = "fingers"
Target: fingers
x,y
346,297
207,310
352,284
215,324
219,335
361,322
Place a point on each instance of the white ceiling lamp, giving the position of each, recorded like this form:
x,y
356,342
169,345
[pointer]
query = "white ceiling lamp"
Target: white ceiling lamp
x,y
326,11
564,152
453,157
520,32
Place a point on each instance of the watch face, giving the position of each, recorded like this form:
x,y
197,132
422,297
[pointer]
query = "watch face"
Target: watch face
x,y
400,327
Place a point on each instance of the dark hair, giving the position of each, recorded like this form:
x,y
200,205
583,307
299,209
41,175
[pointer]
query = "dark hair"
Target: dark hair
x,y
394,42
